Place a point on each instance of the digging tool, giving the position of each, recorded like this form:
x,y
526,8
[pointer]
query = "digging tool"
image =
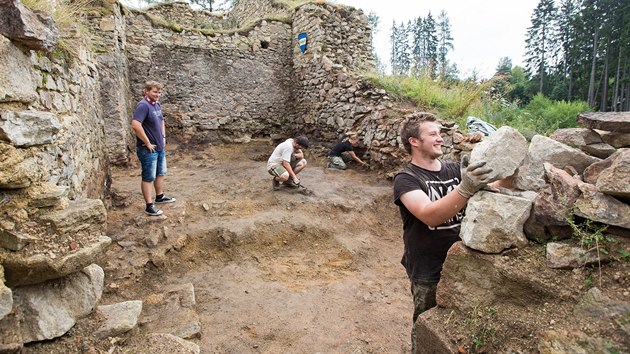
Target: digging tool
x,y
304,190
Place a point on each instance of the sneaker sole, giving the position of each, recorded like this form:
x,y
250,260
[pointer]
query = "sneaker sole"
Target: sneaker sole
x,y
167,201
154,214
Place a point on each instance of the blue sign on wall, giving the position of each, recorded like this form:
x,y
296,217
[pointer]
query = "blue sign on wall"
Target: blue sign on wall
x,y
302,41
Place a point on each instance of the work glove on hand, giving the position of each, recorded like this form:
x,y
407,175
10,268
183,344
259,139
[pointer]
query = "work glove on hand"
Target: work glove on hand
x,y
296,181
474,177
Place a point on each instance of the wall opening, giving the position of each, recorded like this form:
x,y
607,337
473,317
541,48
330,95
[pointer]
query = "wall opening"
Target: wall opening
x,y
264,44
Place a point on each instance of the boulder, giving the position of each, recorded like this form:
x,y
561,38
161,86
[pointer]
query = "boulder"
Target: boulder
x,y
615,179
34,29
617,140
576,137
162,343
46,195
6,297
430,336
563,256
28,128
48,310
17,168
472,279
494,222
32,269
596,206
18,80
552,206
82,215
601,150
119,318
543,149
14,240
618,122
554,202
504,151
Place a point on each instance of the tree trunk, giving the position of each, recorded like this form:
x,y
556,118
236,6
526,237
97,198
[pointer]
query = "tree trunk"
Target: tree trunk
x,y
541,70
591,83
616,102
603,106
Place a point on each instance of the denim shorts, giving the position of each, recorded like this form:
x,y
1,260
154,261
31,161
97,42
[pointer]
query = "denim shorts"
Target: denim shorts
x,y
153,163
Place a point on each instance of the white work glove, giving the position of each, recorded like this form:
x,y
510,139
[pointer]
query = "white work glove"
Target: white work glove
x,y
474,177
296,180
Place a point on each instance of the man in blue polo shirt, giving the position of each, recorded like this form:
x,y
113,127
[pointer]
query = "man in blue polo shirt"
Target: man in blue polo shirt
x,y
148,125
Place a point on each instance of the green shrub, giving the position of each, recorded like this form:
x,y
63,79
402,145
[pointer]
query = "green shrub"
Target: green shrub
x,y
548,115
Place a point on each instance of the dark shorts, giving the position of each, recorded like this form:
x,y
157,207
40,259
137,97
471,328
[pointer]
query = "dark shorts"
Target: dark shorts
x,y
153,163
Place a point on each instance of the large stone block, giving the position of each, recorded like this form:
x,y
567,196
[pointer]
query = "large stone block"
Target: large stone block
x,y
32,269
543,149
6,297
615,179
603,208
82,215
48,310
119,318
28,128
17,168
35,30
618,122
18,81
503,151
494,222
473,279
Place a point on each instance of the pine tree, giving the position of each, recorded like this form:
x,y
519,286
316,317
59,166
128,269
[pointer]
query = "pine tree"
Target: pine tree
x,y
417,45
540,45
393,54
445,43
431,45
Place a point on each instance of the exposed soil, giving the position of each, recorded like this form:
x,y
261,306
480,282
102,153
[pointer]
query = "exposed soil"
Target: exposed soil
x,y
273,271
288,271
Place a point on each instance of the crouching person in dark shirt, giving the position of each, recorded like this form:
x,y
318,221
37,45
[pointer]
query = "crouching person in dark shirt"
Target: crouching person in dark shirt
x,y
343,152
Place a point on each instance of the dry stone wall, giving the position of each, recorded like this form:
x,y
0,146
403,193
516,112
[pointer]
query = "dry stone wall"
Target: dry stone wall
x,y
182,14
226,86
246,12
109,49
53,174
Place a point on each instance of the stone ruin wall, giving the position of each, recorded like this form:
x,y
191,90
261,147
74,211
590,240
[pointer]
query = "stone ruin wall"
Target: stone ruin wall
x,y
54,170
231,86
63,143
109,48
246,12
218,87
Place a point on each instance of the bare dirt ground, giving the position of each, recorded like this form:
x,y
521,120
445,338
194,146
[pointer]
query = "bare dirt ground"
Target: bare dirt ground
x,y
273,271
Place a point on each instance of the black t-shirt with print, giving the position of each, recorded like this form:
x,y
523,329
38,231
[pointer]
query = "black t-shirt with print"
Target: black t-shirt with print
x,y
425,247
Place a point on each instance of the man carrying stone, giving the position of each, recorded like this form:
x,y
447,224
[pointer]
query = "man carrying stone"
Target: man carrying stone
x,y
148,125
286,161
431,195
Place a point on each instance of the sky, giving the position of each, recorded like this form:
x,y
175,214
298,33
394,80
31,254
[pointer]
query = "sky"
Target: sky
x,y
483,31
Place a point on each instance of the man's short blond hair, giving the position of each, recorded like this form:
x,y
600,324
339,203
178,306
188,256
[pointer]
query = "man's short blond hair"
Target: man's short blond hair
x,y
411,127
149,85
